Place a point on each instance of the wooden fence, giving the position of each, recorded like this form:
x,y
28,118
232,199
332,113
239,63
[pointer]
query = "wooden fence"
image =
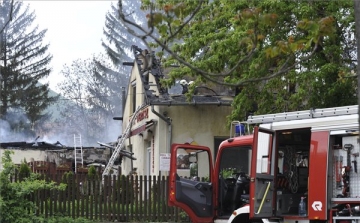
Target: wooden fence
x,y
118,198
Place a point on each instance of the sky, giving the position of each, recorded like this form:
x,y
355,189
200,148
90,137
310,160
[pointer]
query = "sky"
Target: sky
x,y
75,30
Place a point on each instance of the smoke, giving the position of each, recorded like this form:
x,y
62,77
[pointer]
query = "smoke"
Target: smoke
x,y
9,135
113,131
57,133
15,127
65,140
4,130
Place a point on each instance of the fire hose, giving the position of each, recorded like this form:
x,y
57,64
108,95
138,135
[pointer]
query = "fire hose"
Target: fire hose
x,y
346,171
292,175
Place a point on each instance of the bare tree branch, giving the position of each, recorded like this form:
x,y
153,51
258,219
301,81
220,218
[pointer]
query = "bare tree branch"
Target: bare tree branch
x,y
123,18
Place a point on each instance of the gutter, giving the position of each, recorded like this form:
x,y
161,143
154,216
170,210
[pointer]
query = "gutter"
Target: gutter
x,y
123,99
170,103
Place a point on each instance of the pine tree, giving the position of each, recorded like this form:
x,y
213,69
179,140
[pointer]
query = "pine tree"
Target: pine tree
x,y
24,60
101,80
110,78
118,40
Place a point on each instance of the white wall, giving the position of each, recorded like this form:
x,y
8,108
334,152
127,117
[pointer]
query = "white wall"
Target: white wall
x,y
19,155
189,124
199,123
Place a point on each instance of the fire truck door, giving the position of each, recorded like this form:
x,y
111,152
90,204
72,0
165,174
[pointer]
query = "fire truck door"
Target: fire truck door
x,y
190,181
262,174
318,175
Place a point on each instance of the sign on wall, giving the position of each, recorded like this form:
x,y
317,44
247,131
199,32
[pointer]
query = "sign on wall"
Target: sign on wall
x,y
164,161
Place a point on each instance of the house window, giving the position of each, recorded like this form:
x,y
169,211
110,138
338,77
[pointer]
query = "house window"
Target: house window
x,y
133,91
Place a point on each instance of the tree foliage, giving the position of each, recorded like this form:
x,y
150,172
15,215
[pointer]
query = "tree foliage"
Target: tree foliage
x,y
15,203
113,77
117,44
91,103
24,170
24,60
278,55
96,85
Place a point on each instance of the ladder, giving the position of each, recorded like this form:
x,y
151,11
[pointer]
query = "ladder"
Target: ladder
x,y
307,114
78,151
118,149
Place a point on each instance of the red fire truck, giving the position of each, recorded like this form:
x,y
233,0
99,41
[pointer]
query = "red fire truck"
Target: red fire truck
x,y
294,167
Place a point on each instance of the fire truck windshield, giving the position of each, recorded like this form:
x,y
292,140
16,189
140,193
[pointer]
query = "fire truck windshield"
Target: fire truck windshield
x,y
235,159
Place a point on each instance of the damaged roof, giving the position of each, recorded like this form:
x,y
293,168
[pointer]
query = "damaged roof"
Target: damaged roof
x,y
39,145
149,64
195,100
26,145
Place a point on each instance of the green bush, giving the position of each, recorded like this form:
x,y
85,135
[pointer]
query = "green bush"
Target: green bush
x,y
68,175
92,173
15,205
24,170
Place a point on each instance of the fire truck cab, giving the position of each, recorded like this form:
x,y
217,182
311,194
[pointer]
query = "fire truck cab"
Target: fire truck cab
x,y
308,156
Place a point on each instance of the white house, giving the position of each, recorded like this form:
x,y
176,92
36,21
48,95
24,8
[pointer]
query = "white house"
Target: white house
x,y
166,117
